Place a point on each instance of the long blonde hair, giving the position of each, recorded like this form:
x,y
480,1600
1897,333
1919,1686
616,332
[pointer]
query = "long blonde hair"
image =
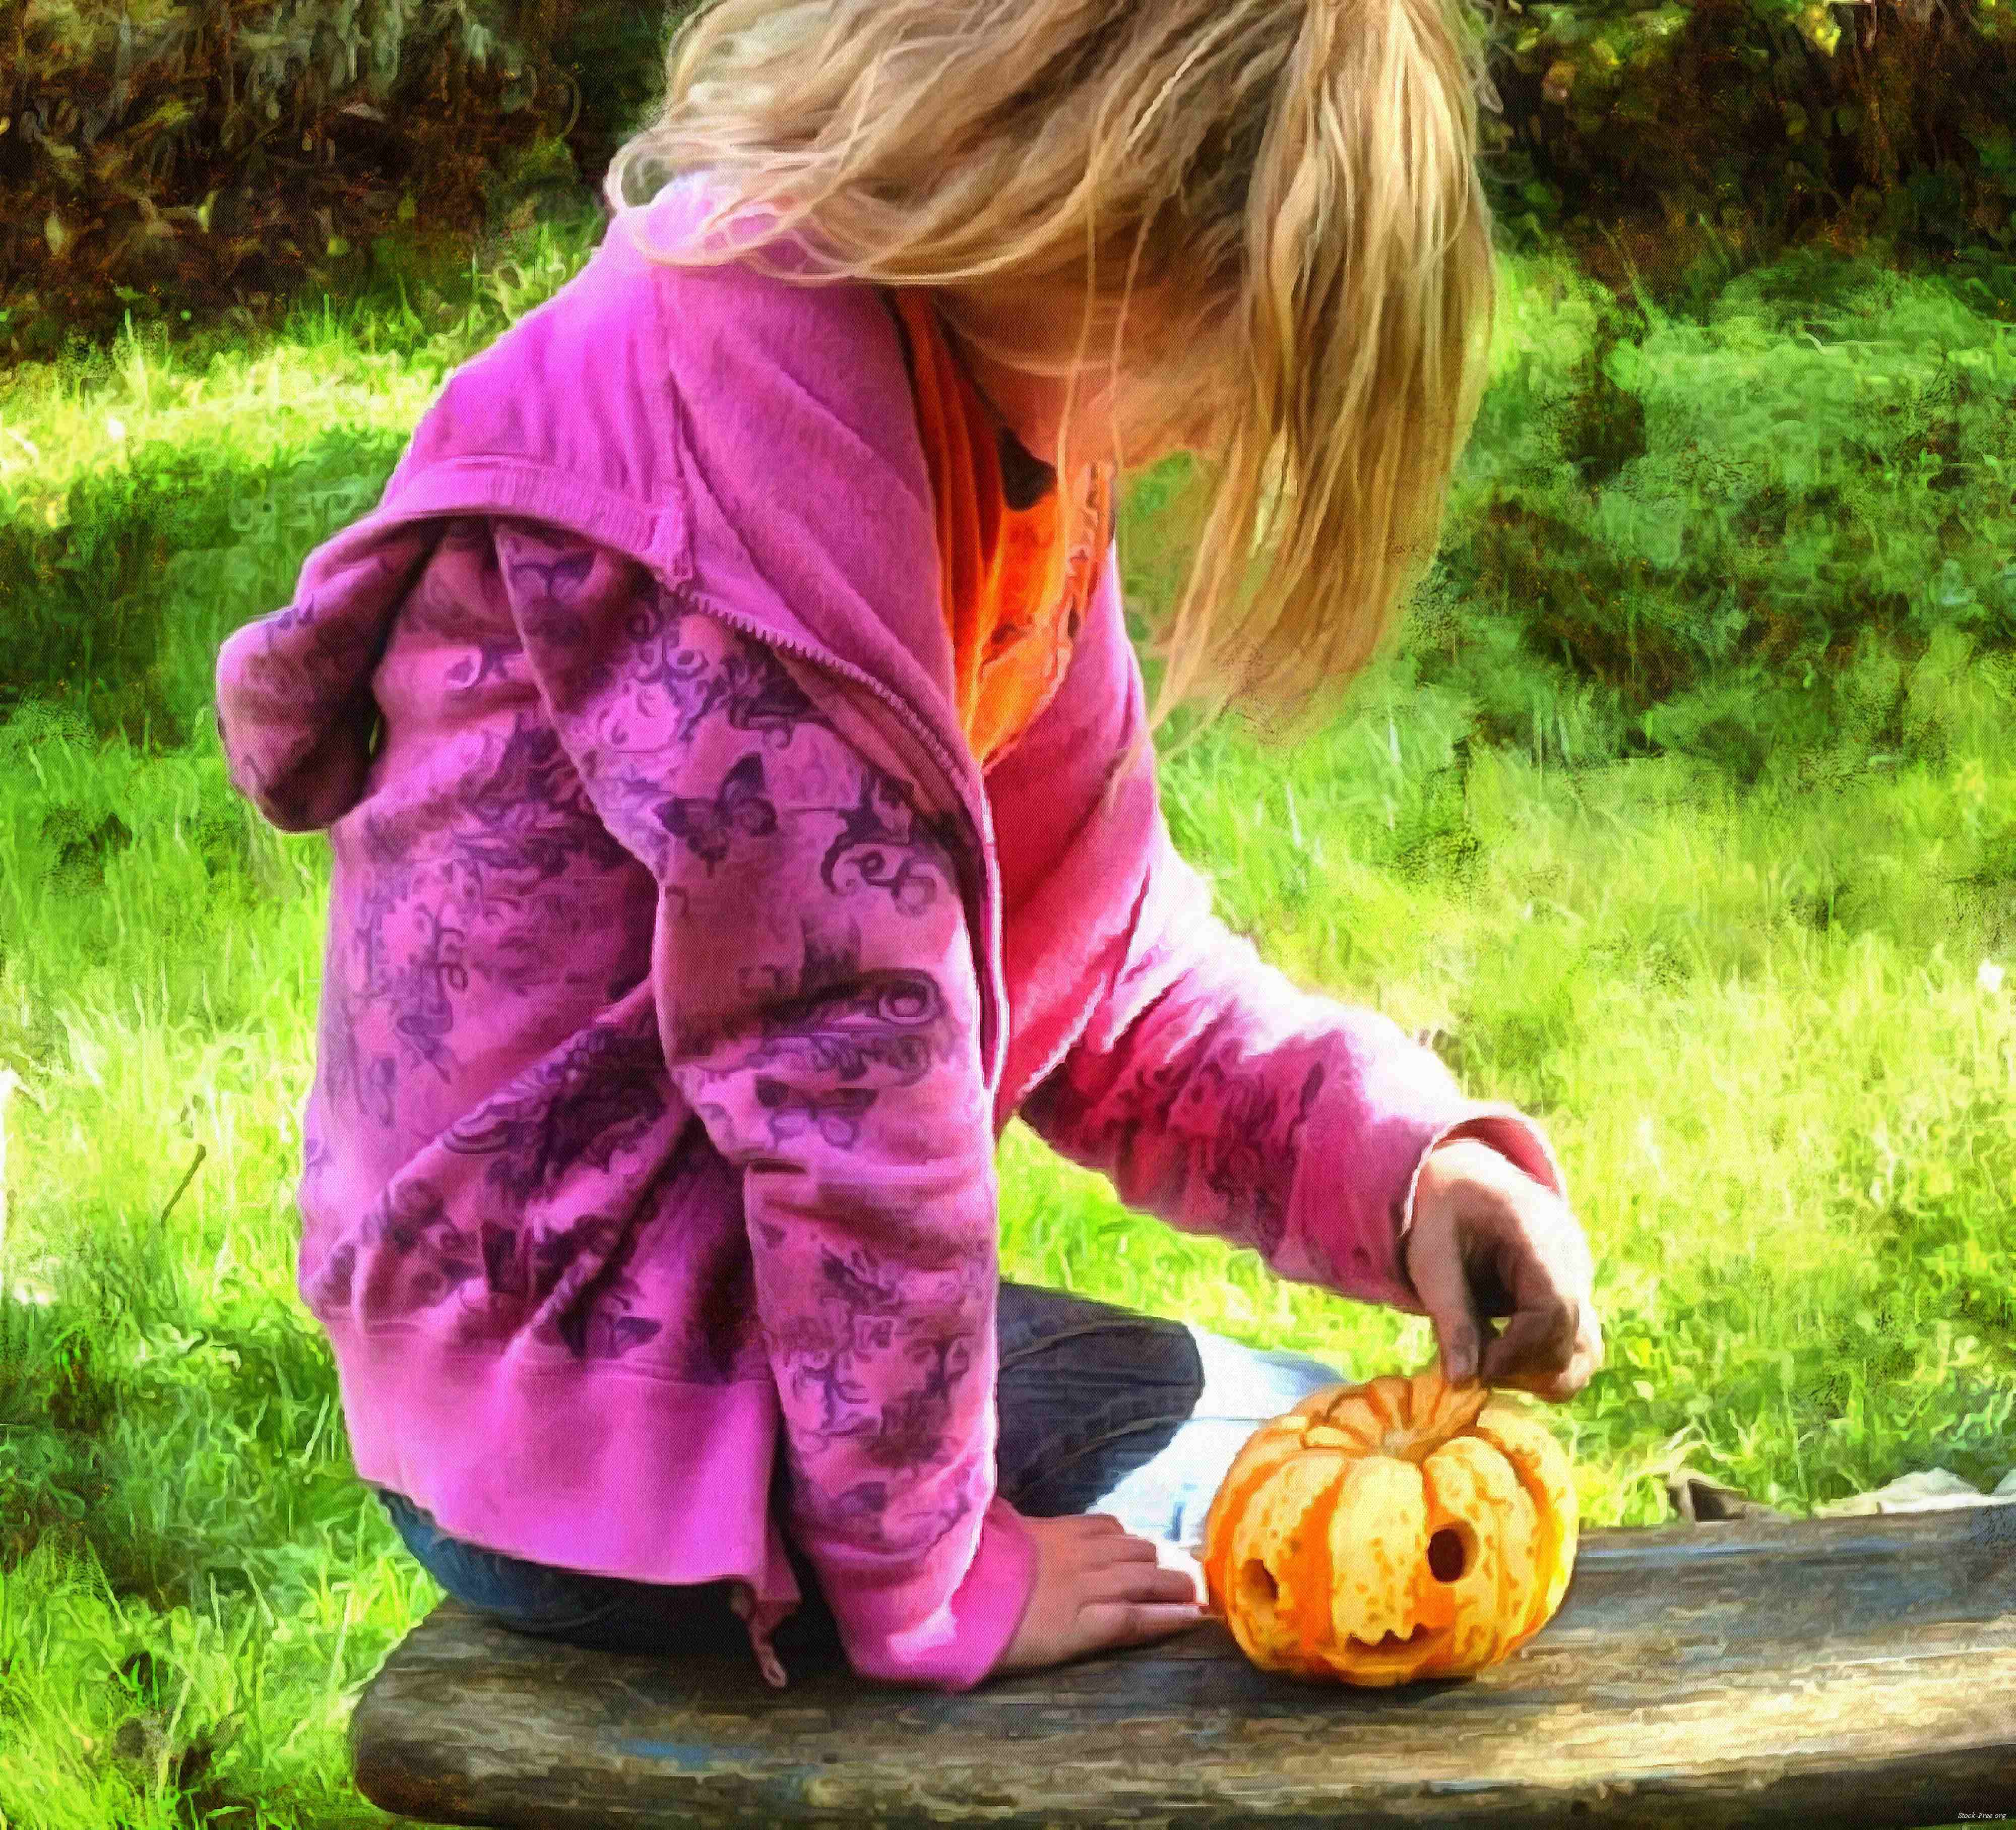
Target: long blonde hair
x,y
1294,181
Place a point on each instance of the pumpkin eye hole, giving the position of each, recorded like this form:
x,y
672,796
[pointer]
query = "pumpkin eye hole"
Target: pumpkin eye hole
x,y
1257,1586
1448,1553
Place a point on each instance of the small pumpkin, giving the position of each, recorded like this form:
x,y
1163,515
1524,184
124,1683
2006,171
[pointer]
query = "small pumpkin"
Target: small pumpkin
x,y
1391,1530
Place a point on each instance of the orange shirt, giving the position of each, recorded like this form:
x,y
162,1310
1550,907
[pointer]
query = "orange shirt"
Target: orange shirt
x,y
1018,562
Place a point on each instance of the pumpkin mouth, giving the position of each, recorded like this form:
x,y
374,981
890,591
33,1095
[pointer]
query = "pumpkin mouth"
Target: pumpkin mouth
x,y
1400,1642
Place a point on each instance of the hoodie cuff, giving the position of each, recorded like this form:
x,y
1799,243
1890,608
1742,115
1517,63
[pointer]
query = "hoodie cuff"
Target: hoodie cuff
x,y
960,1643
1507,1130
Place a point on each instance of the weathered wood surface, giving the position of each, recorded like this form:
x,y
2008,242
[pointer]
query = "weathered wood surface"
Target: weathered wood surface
x,y
1810,1672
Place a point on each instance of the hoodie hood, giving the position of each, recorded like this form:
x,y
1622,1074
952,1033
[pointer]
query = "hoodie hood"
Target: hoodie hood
x,y
637,408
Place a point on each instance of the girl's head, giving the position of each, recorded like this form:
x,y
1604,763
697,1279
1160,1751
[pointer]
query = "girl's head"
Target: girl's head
x,y
1265,216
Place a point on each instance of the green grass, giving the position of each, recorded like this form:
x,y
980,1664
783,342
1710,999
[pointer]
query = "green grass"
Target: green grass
x,y
154,496
1734,974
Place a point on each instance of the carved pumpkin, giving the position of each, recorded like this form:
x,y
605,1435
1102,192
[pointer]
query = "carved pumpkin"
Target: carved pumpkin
x,y
1392,1530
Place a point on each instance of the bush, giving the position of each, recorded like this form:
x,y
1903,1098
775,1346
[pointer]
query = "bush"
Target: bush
x,y
1711,515
1698,131
173,163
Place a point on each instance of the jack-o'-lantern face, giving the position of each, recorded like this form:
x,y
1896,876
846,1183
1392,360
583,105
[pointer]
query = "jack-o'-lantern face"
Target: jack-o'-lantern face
x,y
1392,1530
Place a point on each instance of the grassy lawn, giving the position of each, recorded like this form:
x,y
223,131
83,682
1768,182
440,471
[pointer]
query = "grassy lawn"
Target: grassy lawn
x,y
1713,905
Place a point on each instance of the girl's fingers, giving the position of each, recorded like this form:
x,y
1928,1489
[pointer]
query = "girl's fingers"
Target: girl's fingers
x,y
1141,1559
1143,1582
1107,1625
1099,1552
1175,1557
1537,1342
1557,1388
1439,1281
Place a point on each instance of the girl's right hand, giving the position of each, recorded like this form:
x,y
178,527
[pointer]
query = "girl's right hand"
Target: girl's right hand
x,y
1098,1587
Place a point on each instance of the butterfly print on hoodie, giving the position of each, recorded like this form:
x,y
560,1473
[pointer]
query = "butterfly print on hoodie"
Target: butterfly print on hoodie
x,y
1246,1157
545,577
681,655
417,1255
674,671
342,1072
851,1022
1249,1162
532,821
490,881
571,1277
886,1025
867,1309
708,827
600,1094
458,604
309,654
907,1433
862,1514
420,988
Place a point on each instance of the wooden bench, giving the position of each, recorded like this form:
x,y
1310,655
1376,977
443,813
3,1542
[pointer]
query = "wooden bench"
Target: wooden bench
x,y
1814,1672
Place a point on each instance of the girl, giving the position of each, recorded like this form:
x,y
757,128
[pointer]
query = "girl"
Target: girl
x,y
736,771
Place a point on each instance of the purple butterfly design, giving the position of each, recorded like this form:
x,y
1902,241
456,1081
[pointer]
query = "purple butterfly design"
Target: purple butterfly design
x,y
837,1116
544,590
423,1014
870,1306
559,579
707,825
848,1512
600,1097
765,700
907,1433
599,1334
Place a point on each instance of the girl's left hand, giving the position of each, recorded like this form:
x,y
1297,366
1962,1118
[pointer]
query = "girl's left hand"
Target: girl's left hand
x,y
1488,1240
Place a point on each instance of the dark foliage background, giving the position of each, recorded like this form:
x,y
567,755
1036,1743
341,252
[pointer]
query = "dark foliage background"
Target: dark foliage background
x,y
158,158
204,159
1653,134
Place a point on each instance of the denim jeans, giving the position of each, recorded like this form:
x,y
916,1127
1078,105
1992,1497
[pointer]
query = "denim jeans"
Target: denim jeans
x,y
1101,1410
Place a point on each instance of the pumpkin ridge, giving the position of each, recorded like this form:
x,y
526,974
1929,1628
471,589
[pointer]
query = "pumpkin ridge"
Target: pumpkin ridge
x,y
1268,1532
1538,1610
1313,1571
1434,1601
1457,1497
1233,1496
1529,1447
1387,1398
1522,1539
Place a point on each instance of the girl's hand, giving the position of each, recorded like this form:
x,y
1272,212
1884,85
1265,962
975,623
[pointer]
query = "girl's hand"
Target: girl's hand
x,y
1098,1587
1488,1240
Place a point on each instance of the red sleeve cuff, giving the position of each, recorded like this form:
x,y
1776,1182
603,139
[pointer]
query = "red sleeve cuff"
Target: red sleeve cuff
x,y
1507,1131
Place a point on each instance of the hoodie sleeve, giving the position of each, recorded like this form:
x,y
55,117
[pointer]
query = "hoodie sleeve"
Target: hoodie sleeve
x,y
818,1005
295,714
1216,1095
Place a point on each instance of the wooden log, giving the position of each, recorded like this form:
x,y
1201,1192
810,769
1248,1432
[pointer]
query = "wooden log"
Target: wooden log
x,y
1810,1672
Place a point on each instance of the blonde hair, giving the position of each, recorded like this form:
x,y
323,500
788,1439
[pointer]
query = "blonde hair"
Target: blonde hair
x,y
1294,182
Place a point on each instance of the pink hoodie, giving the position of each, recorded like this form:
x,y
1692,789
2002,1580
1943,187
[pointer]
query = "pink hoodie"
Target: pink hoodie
x,y
683,971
